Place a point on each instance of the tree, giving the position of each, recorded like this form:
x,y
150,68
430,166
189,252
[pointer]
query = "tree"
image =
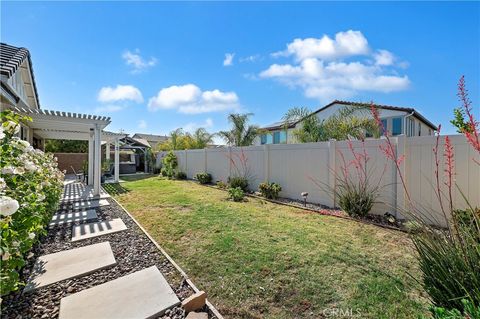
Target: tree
x,y
241,134
349,122
179,140
201,138
66,146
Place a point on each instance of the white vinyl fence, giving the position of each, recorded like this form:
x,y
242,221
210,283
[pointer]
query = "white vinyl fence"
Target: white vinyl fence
x,y
310,168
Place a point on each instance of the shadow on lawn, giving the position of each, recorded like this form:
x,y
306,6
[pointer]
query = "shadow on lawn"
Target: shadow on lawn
x,y
115,189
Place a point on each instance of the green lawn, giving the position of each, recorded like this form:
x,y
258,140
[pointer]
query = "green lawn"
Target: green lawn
x,y
261,260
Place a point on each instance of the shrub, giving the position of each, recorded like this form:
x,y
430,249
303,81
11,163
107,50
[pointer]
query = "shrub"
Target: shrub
x,y
236,194
355,201
30,189
203,178
238,181
269,190
467,219
181,175
221,184
469,311
170,164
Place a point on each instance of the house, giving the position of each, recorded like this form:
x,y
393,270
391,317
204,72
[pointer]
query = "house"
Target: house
x,y
150,139
19,94
397,120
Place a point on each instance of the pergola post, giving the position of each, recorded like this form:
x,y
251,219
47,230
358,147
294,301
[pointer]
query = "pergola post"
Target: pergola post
x,y
97,160
107,150
90,158
145,160
117,161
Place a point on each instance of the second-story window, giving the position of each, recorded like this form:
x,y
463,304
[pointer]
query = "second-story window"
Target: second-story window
x,y
263,139
396,126
276,137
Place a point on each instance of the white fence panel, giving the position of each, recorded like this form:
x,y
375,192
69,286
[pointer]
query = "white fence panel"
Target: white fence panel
x,y
308,168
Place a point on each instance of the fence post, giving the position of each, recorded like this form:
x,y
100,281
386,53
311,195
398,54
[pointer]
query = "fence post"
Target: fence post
x,y
205,159
229,162
186,165
400,191
266,162
332,153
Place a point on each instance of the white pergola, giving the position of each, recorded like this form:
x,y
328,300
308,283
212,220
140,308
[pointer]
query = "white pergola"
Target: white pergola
x,y
57,125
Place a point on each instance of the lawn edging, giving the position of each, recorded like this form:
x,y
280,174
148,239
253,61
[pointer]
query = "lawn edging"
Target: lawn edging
x,y
182,272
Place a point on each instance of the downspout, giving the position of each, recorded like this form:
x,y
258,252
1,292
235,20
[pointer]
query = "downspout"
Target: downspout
x,y
405,123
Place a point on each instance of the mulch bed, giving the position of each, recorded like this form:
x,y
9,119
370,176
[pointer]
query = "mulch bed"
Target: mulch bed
x,y
132,249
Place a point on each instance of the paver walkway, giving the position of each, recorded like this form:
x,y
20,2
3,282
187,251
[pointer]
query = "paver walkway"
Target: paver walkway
x,y
90,230
65,218
143,294
72,263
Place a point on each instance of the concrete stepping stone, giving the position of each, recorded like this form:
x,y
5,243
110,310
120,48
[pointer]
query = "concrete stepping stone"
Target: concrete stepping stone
x,y
143,294
90,203
79,191
64,218
90,230
49,269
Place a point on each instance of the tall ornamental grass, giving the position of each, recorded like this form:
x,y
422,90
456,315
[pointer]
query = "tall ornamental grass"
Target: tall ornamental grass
x,y
449,258
30,189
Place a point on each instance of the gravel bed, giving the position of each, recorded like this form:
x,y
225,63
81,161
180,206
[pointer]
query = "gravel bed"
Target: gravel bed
x,y
132,249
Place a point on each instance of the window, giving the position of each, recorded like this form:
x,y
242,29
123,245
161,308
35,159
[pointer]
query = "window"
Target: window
x,y
263,139
276,137
269,139
419,129
396,126
385,127
283,137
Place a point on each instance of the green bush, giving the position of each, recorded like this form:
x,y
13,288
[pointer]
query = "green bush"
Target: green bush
x,y
236,194
170,164
269,190
450,263
238,181
467,220
30,189
221,184
355,201
181,175
204,178
470,311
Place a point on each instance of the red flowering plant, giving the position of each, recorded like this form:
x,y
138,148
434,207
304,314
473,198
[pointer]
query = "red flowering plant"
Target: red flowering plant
x,y
355,189
449,257
242,173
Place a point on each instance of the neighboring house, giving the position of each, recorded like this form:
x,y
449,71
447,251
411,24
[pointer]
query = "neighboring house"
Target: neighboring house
x,y
19,93
150,139
397,121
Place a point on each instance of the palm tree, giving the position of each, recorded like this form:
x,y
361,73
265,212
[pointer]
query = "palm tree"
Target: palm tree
x,y
241,134
201,138
310,129
349,122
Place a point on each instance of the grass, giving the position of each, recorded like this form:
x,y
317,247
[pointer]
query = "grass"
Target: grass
x,y
256,259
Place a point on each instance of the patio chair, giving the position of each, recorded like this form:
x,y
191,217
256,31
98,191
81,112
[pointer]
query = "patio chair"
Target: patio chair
x,y
110,172
78,175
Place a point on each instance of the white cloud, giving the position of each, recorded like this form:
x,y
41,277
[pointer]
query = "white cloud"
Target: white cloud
x,y
142,124
137,62
347,43
384,57
190,99
250,58
192,126
320,71
120,93
228,61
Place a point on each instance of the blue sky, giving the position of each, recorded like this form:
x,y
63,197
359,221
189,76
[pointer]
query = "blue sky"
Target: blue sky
x,y
154,66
